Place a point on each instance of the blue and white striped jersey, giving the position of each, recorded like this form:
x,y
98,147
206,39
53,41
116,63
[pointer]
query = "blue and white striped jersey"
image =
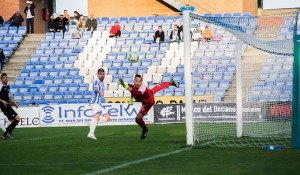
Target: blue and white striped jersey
x,y
97,96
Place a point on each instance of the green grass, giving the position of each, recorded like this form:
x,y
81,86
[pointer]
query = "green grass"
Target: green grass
x,y
68,151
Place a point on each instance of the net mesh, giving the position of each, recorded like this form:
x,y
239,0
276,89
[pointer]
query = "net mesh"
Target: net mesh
x,y
267,71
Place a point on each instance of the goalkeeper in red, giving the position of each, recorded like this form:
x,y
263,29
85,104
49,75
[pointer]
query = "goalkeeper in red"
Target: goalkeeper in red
x,y
144,95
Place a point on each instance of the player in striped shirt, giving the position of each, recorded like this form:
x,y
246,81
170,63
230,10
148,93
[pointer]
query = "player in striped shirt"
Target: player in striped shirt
x,y
100,114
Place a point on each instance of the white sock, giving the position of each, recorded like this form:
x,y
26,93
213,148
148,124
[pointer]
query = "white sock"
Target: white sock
x,y
93,127
2,126
102,120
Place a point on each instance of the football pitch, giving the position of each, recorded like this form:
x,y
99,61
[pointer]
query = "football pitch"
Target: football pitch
x,y
118,150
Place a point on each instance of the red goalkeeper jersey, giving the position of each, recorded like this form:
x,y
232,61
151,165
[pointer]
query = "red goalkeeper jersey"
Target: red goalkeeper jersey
x,y
143,94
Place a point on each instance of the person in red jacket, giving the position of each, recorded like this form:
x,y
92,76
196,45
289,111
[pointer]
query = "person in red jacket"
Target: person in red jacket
x,y
144,95
115,30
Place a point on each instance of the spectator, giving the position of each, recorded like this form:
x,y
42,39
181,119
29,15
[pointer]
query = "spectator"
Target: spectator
x,y
175,34
2,56
33,104
1,21
76,18
66,15
52,24
16,19
207,34
81,24
115,30
29,11
91,23
187,7
61,23
197,34
159,35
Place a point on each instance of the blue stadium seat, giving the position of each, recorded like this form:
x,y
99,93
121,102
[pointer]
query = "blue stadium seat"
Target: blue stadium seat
x,y
73,71
28,96
53,102
112,70
24,88
49,36
78,79
48,95
177,76
38,95
74,101
48,80
168,92
7,51
53,87
22,30
58,35
69,94
12,44
123,20
151,19
142,19
29,80
73,87
83,87
78,94
133,20
88,94
58,95
142,70
58,79
68,79
43,102
63,101
43,87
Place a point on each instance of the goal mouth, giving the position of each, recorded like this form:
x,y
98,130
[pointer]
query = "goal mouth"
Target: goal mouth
x,y
249,74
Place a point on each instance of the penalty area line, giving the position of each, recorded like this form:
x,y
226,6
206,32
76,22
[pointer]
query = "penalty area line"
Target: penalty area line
x,y
137,161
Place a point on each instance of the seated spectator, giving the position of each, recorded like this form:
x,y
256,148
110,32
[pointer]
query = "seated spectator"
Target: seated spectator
x,y
207,35
115,30
33,104
159,35
81,24
61,23
1,21
16,19
76,18
91,23
2,56
52,24
187,7
175,35
197,34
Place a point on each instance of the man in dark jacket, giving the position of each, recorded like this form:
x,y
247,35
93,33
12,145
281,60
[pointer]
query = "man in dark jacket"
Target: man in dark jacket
x,y
16,19
91,23
29,12
61,23
52,24
159,35
2,56
1,21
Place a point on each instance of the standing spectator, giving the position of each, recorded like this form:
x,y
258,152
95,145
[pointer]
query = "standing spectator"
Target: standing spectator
x,y
2,56
76,18
16,19
159,35
187,7
91,23
175,34
52,24
1,21
115,30
197,34
29,11
61,23
207,34
66,15
81,24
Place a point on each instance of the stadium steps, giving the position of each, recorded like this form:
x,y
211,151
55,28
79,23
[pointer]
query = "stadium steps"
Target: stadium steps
x,y
252,63
21,56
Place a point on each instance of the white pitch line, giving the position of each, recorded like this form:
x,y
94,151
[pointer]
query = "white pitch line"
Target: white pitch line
x,y
136,162
39,138
43,164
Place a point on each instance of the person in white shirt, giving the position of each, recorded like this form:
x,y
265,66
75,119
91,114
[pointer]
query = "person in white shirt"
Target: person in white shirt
x,y
29,12
197,34
100,114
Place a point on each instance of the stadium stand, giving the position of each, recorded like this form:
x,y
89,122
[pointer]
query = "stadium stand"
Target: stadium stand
x,y
65,68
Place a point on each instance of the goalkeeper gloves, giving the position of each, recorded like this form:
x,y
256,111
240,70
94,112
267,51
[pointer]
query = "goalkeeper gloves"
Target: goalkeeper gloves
x,y
123,84
130,102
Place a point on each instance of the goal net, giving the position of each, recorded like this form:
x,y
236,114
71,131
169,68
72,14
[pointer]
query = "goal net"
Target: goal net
x,y
248,68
